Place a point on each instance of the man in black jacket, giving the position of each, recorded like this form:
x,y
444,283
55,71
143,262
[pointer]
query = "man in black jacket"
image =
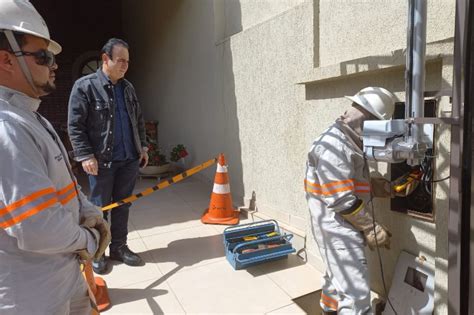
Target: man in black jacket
x,y
107,133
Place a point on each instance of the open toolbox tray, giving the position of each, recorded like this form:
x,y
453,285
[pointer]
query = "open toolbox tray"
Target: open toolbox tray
x,y
254,243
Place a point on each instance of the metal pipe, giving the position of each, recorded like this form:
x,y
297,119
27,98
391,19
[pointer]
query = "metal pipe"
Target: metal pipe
x,y
415,69
455,277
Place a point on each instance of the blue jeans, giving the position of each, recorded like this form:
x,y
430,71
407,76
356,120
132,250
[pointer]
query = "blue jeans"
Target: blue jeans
x,y
112,184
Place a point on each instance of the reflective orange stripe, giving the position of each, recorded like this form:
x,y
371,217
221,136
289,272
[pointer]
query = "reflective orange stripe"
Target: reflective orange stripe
x,y
348,185
329,302
26,200
341,182
336,183
68,198
29,213
314,191
66,189
333,191
362,187
328,192
65,199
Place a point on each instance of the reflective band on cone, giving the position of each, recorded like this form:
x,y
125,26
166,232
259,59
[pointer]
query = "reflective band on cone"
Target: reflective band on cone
x,y
221,189
221,168
220,209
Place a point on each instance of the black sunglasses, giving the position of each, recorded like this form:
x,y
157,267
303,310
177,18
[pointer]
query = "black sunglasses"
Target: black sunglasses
x,y
43,57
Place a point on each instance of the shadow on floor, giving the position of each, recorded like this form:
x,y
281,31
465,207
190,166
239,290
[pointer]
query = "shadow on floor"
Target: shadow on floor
x,y
126,295
284,263
190,251
309,303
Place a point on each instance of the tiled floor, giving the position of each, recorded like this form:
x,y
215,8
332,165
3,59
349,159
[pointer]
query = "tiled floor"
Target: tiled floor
x,y
186,271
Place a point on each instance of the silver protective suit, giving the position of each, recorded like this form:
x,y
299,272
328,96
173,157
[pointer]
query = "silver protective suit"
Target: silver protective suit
x,y
335,179
40,210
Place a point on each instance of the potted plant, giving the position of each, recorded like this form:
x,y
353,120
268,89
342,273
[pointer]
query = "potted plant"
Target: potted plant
x,y
178,153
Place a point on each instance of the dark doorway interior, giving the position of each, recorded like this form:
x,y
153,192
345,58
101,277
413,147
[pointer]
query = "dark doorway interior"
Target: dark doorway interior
x,y
81,28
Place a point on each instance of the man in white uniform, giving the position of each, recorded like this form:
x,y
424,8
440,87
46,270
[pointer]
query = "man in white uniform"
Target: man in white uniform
x,y
338,188
46,223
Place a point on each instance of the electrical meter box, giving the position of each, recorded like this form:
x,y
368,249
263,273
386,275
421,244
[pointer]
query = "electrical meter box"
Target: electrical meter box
x,y
254,243
420,203
412,290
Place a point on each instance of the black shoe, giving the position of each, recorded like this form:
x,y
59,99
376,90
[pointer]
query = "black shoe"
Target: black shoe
x,y
100,266
127,256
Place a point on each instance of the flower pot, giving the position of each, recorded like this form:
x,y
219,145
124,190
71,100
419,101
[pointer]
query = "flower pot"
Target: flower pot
x,y
154,170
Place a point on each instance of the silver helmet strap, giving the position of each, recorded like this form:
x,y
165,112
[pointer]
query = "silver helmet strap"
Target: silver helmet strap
x,y
21,59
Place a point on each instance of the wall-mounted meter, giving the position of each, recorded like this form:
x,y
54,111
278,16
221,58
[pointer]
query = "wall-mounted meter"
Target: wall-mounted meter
x,y
412,290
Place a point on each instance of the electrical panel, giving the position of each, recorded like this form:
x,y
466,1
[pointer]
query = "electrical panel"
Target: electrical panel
x,y
420,203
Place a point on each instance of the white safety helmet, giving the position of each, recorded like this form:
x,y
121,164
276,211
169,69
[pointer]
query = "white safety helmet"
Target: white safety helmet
x,y
376,100
20,16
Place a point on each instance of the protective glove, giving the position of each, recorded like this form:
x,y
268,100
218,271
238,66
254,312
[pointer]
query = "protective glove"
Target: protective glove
x,y
407,183
84,255
97,222
381,187
364,222
381,237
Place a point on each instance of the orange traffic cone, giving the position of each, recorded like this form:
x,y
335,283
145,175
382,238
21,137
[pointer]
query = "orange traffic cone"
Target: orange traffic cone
x,y
220,209
97,290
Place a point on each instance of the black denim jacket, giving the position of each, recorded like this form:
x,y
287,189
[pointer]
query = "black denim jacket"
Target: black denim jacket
x,y
91,117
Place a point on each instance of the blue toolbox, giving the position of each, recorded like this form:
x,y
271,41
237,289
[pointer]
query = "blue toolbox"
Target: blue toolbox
x,y
253,243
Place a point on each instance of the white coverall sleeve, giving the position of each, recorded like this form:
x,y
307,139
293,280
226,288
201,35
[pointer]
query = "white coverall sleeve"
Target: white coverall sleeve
x,y
30,208
333,172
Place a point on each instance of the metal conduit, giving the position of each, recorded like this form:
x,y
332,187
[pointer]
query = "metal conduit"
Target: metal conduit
x,y
415,69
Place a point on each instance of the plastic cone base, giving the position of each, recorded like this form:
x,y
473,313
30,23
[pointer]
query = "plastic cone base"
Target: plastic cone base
x,y
101,295
232,220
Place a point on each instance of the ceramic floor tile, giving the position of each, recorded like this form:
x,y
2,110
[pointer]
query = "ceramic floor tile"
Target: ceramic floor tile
x,y
186,271
218,289
198,206
193,192
122,275
132,232
184,249
293,275
142,183
292,309
164,219
149,297
157,198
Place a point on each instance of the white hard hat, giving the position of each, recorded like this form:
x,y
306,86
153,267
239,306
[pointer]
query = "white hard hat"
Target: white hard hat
x,y
377,100
20,16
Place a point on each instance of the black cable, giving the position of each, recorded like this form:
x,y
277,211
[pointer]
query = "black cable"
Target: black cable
x,y
366,165
427,169
438,180
427,181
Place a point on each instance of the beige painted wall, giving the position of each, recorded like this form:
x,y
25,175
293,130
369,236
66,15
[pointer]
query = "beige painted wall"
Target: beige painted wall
x,y
351,29
239,15
221,76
